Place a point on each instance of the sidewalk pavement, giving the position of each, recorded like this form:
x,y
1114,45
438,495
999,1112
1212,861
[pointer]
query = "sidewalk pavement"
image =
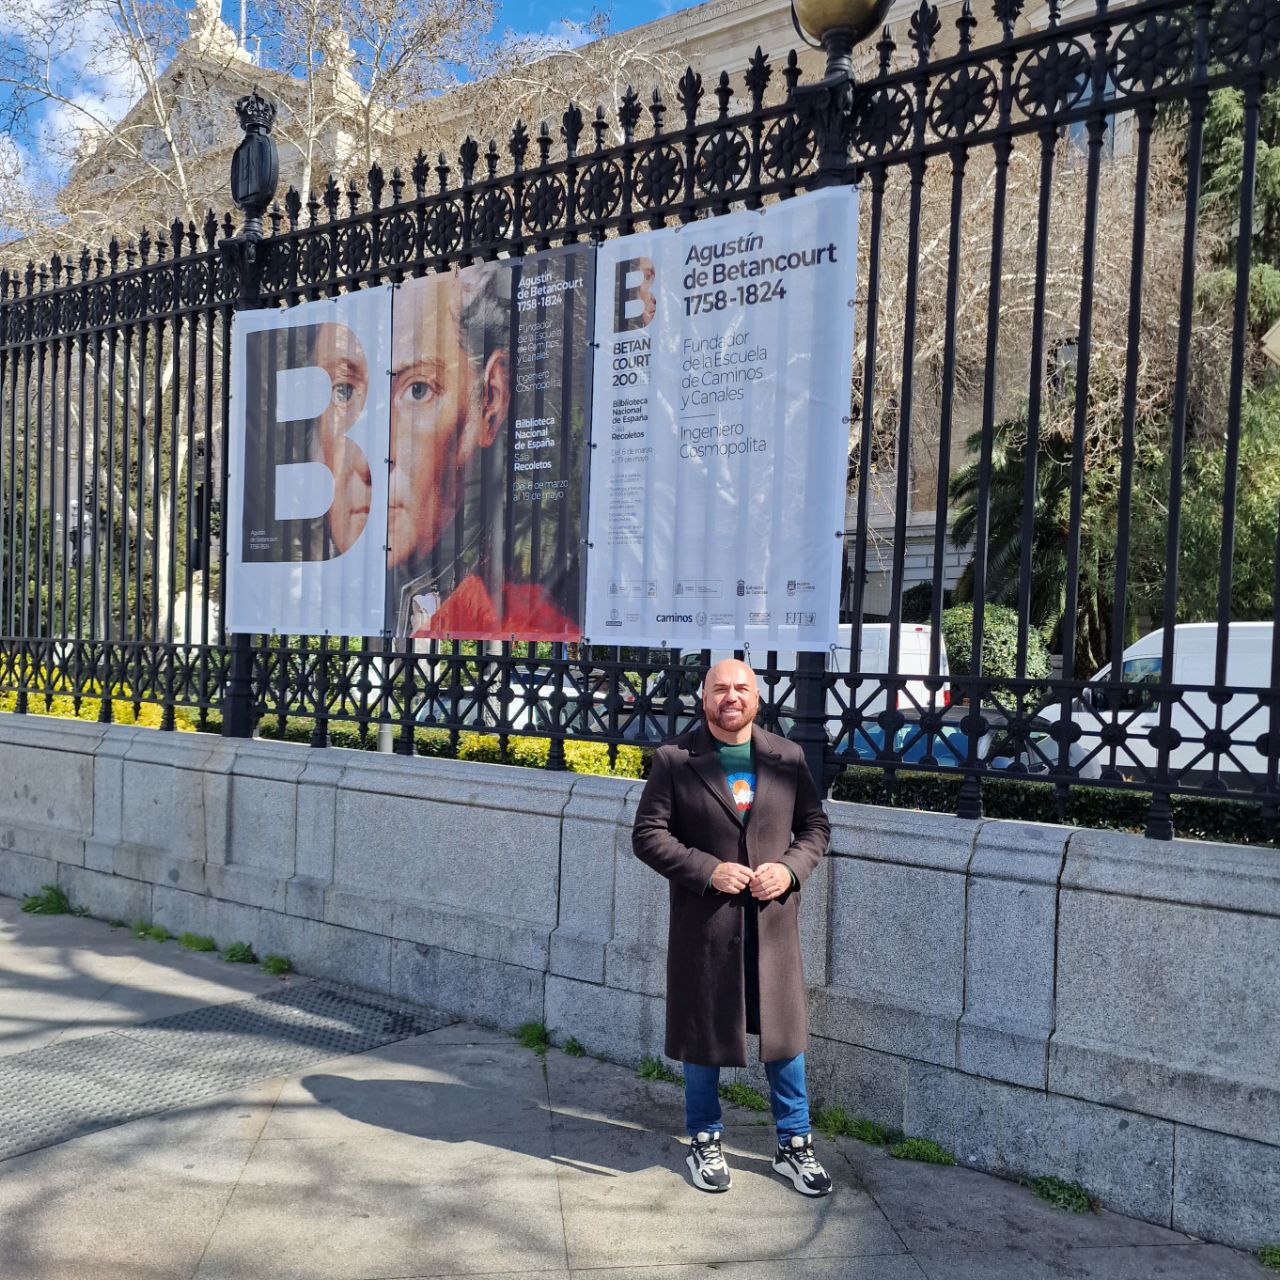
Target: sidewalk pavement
x,y
455,1152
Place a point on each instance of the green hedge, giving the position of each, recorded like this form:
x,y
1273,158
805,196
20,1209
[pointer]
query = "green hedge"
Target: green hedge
x,y
580,757
999,645
63,706
1194,817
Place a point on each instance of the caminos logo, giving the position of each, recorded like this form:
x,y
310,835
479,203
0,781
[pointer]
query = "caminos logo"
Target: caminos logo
x,y
673,617
634,304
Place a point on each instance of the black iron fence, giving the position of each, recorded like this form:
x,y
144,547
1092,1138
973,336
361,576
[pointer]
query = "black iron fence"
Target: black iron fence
x,y
1057,244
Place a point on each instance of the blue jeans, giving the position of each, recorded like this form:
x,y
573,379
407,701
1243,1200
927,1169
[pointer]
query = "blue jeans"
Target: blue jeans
x,y
787,1096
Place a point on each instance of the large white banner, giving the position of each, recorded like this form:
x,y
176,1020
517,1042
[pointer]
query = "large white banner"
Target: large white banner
x,y
307,518
720,429
410,459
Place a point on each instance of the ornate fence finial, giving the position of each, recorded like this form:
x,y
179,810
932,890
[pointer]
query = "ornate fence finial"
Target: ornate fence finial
x,y
924,28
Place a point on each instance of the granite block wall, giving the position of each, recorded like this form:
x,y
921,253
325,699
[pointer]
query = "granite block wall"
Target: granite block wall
x,y
1037,999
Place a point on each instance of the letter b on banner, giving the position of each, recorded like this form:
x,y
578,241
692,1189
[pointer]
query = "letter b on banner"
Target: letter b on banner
x,y
306,480
634,302
307,438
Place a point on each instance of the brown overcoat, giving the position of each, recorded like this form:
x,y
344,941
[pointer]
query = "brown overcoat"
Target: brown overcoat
x,y
685,825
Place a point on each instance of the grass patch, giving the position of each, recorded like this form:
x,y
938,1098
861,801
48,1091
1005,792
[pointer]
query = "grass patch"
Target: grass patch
x,y
652,1068
1062,1194
533,1035
1269,1256
573,1047
743,1095
923,1149
50,901
197,942
279,965
117,924
155,932
239,953
836,1122
139,930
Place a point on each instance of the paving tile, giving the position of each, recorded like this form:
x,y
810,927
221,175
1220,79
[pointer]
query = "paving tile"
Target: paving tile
x,y
894,1267
394,1205
63,977
628,1201
938,1211
587,1088
113,1211
417,1087
1143,1262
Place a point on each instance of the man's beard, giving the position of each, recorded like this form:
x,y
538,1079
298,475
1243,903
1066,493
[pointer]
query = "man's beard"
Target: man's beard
x,y
748,717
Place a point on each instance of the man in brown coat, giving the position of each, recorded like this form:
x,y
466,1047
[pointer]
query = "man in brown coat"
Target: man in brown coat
x,y
731,817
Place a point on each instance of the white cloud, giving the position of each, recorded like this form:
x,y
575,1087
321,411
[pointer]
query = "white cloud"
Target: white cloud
x,y
88,66
566,34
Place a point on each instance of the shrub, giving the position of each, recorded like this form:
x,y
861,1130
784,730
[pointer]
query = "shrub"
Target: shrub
x,y
278,965
999,646
197,942
917,602
923,1149
239,953
63,706
580,757
1110,808
1269,1256
573,1047
156,933
50,901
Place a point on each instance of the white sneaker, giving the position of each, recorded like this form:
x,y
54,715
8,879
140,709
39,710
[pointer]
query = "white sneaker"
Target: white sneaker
x,y
795,1160
706,1163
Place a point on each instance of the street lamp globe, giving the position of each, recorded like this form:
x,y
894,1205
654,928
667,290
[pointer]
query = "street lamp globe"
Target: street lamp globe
x,y
838,25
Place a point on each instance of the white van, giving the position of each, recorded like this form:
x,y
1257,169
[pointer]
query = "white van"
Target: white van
x,y
1244,717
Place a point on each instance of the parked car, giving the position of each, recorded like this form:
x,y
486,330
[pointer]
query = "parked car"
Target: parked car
x,y
1132,705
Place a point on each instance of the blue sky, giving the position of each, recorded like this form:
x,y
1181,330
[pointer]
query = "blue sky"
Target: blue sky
x,y
529,15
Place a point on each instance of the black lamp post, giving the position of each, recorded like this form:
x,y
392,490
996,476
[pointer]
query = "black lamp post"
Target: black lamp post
x,y
837,25
255,169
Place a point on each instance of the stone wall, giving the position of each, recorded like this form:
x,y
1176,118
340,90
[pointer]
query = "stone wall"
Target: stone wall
x,y
1037,999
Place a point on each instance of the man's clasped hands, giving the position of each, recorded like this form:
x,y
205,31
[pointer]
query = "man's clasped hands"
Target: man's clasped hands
x,y
769,880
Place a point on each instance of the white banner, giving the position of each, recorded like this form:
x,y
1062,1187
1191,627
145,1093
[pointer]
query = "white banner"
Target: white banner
x,y
306,520
720,429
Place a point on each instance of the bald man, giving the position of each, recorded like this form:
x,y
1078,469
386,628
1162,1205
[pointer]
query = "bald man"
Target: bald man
x,y
731,817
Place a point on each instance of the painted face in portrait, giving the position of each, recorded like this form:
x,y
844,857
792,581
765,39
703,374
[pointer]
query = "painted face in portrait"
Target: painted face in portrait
x,y
446,404
341,356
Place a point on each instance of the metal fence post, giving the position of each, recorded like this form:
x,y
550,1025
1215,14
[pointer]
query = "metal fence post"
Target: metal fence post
x,y
810,730
255,168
